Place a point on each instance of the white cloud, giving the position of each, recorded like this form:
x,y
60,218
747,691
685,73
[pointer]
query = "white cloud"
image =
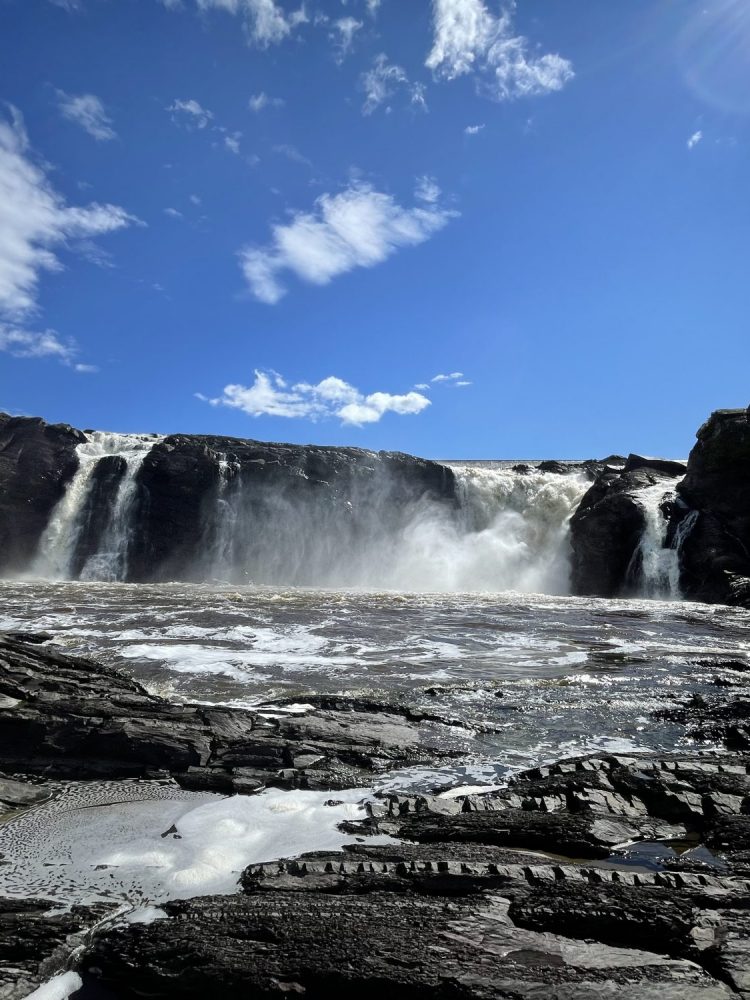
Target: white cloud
x,y
345,28
35,219
264,21
694,139
260,101
447,378
293,154
232,142
269,395
87,111
473,129
27,344
468,38
190,114
359,227
373,6
381,82
44,345
173,213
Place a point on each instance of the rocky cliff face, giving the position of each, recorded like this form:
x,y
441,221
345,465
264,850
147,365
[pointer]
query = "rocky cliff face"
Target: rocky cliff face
x,y
198,495
716,552
37,460
198,507
608,526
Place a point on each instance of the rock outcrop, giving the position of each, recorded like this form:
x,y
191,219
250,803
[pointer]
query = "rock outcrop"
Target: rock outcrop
x,y
457,916
69,717
716,551
302,493
37,460
608,525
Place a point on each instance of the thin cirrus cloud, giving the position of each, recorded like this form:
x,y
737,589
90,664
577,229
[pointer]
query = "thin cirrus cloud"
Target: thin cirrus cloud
x,y
190,113
34,221
259,102
88,112
381,82
270,395
469,39
454,378
694,139
264,22
359,227
344,30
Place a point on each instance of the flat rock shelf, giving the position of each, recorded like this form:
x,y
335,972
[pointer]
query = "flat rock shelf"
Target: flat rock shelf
x,y
601,876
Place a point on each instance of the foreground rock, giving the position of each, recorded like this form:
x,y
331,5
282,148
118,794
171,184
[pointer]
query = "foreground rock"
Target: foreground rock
x,y
69,717
459,915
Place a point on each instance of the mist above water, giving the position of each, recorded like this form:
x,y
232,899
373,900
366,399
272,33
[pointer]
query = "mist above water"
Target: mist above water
x,y
503,529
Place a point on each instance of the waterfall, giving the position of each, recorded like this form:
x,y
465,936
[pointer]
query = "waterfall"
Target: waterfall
x,y
67,526
221,528
656,565
505,529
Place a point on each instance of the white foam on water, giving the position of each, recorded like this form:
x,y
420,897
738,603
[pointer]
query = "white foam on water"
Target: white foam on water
x,y
144,843
58,988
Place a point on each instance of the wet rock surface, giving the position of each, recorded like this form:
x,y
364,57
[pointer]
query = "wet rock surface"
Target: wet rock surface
x,y
69,717
601,876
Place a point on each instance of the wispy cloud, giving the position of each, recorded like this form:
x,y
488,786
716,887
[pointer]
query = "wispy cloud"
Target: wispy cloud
x,y
264,22
344,30
270,395
694,139
469,39
258,102
292,153
190,114
454,377
45,345
381,82
359,227
34,219
87,111
473,129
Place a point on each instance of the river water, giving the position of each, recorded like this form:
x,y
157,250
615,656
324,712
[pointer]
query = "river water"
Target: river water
x,y
529,677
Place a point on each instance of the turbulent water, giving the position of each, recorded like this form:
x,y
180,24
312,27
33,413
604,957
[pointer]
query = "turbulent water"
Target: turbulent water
x,y
529,677
457,609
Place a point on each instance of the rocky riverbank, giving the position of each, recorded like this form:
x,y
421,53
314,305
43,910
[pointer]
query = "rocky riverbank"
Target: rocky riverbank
x,y
601,876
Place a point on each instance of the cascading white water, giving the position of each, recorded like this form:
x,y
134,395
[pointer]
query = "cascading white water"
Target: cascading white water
x,y
507,531
511,533
61,537
223,524
658,565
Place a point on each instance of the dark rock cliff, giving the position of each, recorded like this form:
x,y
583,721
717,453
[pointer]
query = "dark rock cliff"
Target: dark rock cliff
x,y
37,460
305,493
716,551
607,527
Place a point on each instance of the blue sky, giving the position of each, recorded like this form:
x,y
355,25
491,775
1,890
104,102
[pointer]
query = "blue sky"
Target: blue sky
x,y
282,220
